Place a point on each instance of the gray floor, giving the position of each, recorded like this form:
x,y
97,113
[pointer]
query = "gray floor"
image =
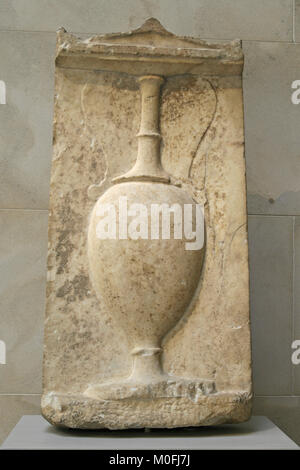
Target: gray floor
x,y
283,411
288,422
33,432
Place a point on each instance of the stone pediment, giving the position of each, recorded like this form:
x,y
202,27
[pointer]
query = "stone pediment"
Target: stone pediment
x,y
149,49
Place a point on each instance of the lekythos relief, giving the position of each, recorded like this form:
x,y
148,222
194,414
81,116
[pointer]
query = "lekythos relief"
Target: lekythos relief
x,y
147,317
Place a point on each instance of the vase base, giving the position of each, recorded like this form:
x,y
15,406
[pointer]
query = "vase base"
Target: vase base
x,y
162,387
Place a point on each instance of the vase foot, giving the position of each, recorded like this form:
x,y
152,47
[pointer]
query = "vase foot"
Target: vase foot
x,y
162,387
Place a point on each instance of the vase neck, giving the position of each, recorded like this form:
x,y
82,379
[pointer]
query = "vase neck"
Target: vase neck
x,y
150,105
148,164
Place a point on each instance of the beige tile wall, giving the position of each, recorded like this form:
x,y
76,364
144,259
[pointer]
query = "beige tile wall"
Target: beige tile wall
x,y
270,30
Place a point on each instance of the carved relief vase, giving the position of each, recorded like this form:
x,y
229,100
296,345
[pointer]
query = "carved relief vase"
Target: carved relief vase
x,y
147,281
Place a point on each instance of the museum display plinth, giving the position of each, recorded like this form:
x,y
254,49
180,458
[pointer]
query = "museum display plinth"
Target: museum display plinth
x,y
145,331
33,432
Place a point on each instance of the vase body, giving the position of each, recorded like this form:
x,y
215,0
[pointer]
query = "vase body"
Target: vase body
x,y
146,284
140,262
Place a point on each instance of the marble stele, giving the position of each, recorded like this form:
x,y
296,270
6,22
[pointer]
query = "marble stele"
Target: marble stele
x,y
143,329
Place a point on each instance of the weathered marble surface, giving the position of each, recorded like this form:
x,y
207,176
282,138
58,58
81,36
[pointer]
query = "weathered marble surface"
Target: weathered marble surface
x,y
97,114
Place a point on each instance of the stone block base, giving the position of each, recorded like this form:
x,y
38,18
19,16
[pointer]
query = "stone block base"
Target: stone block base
x,y
78,411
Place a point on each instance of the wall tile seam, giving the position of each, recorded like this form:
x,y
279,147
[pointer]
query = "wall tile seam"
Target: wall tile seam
x,y
276,396
249,214
24,209
39,393
272,215
254,396
20,394
293,370
210,38
294,21
33,31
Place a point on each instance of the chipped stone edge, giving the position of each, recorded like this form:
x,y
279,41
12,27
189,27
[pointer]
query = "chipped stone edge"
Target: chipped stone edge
x,y
181,48
76,411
